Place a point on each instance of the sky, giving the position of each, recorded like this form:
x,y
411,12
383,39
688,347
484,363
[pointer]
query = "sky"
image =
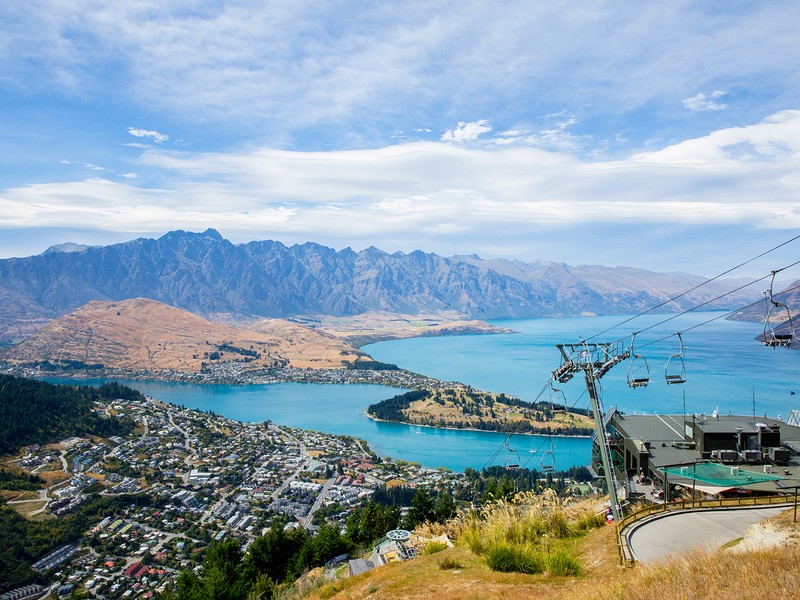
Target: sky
x,y
663,135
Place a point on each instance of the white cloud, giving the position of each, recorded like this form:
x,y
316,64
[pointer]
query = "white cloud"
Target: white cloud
x,y
290,70
774,141
129,175
423,188
702,103
466,132
144,133
556,135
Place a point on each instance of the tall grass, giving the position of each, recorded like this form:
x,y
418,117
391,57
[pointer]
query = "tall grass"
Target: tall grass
x,y
707,575
514,558
509,534
433,548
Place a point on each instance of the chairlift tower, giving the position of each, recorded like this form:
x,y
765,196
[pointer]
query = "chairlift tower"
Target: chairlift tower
x,y
595,360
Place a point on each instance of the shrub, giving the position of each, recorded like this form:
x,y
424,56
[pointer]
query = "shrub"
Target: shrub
x,y
557,524
563,564
433,548
448,562
590,520
514,559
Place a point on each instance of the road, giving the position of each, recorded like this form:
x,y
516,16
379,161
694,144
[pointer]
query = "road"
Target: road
x,y
679,532
302,466
318,502
191,455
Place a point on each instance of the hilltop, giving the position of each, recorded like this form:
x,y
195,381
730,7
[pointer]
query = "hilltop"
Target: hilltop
x,y
145,335
466,408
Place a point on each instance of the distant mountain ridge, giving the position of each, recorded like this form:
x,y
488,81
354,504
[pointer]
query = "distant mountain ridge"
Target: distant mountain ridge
x,y
206,274
790,296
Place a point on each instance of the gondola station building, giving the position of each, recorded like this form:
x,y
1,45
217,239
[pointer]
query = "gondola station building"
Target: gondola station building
x,y
712,454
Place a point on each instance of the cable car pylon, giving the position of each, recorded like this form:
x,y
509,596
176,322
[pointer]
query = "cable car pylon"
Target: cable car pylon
x,y
595,360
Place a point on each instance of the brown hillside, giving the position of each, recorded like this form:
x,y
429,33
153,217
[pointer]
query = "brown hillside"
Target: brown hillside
x,y
473,409
143,334
377,326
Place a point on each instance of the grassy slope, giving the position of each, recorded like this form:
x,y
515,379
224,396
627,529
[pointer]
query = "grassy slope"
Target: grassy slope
x,y
765,574
422,577
506,417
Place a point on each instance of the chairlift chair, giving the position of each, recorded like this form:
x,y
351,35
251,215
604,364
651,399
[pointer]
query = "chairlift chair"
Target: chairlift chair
x,y
548,460
638,369
560,400
675,369
775,309
511,461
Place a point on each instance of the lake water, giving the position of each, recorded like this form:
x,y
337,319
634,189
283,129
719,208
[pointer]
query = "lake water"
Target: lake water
x,y
341,409
724,366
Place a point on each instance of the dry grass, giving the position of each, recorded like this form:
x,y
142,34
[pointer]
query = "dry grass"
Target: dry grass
x,y
30,510
707,576
422,410
16,495
700,575
538,524
526,519
697,576
424,578
53,477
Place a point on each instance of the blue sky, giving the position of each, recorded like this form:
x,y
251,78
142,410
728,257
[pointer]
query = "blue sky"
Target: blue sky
x,y
663,135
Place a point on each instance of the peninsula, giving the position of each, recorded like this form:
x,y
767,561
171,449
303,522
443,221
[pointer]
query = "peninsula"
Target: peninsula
x,y
467,408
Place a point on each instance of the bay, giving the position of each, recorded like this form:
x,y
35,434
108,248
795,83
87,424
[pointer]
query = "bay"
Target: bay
x,y
341,410
726,368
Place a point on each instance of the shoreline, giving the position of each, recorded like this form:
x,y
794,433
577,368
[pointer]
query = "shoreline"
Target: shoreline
x,y
555,435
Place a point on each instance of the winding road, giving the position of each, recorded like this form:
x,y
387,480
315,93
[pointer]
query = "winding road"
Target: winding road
x,y
680,532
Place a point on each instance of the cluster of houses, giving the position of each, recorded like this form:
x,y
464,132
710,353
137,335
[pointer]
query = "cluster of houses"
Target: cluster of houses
x,y
205,478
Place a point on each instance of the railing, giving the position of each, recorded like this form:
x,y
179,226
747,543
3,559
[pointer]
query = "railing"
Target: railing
x,y
623,550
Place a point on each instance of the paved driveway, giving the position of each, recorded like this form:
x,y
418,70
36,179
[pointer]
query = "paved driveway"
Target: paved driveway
x,y
679,532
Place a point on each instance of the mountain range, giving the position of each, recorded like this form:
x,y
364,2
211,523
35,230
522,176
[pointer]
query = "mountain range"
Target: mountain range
x,y
208,275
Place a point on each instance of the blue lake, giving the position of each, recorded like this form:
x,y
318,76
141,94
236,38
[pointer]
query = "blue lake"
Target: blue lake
x,y
725,367
341,410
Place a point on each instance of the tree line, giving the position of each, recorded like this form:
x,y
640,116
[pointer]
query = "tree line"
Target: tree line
x,y
37,412
284,554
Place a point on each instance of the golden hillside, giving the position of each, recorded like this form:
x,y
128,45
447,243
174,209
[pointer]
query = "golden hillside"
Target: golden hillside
x,y
143,334
377,326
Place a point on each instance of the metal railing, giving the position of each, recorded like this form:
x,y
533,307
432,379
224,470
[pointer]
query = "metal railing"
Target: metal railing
x,y
624,551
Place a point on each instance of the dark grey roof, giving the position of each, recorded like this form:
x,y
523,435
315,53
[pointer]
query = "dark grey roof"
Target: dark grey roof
x,y
658,428
360,565
651,428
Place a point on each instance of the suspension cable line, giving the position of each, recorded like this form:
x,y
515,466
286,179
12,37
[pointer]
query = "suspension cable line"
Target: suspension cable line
x,y
665,302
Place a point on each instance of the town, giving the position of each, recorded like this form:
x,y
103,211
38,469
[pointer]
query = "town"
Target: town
x,y
186,479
